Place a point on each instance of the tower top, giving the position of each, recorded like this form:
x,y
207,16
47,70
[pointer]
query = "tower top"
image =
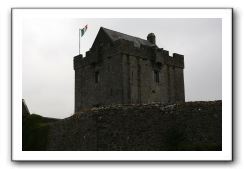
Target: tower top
x,y
151,38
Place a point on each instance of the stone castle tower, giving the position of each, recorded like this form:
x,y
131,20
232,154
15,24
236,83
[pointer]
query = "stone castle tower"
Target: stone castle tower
x,y
122,69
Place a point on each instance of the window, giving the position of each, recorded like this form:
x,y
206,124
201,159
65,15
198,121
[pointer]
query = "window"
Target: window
x,y
156,76
96,77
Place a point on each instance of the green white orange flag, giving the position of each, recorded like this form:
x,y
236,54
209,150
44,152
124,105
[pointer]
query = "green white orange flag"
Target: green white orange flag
x,y
82,31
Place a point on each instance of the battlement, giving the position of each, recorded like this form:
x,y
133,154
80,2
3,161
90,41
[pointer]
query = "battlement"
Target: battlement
x,y
161,56
94,57
77,61
178,60
150,52
121,46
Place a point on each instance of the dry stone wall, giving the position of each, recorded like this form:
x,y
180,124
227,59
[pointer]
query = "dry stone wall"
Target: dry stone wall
x,y
148,127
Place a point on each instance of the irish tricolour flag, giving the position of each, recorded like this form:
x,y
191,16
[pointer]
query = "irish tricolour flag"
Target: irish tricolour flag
x,y
82,31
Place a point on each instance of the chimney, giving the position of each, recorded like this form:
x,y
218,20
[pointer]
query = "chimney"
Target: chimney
x,y
151,38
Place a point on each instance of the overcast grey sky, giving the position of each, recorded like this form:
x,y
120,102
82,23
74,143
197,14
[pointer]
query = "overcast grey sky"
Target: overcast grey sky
x,y
49,47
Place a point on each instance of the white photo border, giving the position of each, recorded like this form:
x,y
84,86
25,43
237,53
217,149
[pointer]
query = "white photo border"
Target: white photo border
x,y
17,16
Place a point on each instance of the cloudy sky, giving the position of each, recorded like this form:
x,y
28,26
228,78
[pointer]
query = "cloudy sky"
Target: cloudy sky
x,y
49,46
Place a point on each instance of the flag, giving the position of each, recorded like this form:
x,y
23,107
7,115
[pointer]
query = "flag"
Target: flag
x,y
82,31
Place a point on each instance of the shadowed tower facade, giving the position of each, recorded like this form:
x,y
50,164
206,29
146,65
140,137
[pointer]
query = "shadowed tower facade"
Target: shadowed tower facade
x,y
123,69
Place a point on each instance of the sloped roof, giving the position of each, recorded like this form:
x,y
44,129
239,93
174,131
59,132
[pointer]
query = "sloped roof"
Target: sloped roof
x,y
114,35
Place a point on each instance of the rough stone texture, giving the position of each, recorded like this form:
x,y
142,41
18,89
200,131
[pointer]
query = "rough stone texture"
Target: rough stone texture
x,y
125,67
177,127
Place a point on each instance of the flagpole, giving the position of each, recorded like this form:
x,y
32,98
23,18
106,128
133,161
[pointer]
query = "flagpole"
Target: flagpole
x,y
79,41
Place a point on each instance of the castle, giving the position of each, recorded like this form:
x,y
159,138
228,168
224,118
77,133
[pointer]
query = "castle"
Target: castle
x,y
122,69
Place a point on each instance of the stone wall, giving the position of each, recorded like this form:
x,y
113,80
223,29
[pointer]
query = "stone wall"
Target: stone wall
x,y
140,86
126,75
186,126
107,90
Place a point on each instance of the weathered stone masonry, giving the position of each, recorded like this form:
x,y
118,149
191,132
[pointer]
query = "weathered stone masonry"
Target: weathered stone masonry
x,y
122,69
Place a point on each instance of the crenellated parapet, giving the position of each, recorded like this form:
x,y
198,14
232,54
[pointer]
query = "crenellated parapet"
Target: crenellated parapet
x,y
178,60
153,53
78,61
162,56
